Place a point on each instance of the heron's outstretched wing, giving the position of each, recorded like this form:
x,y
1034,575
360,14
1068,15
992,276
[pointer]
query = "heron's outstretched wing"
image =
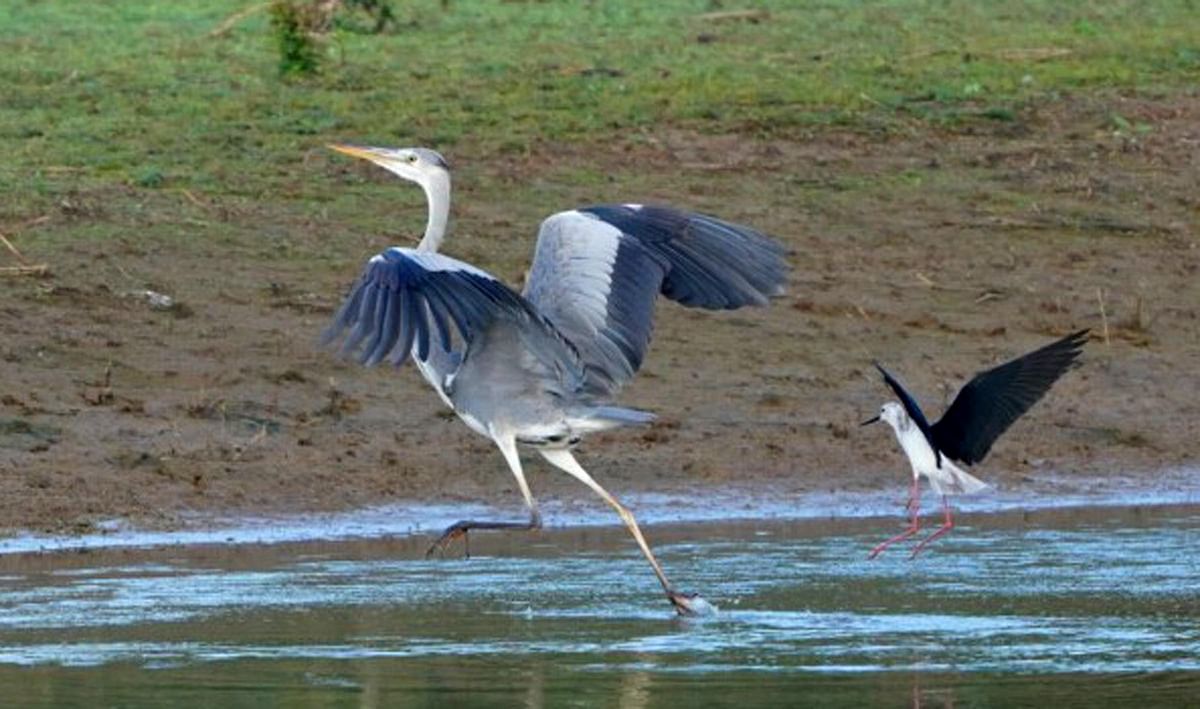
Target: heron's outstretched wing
x,y
994,399
597,271
406,297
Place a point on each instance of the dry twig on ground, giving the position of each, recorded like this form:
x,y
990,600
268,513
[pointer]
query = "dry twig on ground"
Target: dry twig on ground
x,y
25,268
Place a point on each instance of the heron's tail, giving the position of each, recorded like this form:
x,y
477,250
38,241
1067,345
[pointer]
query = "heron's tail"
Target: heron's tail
x,y
953,480
602,418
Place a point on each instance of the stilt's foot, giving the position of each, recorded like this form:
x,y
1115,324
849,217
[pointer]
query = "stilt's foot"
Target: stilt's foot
x,y
885,544
690,605
921,547
453,532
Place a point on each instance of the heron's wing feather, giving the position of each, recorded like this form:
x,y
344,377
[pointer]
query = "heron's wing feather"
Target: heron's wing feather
x,y
598,270
407,299
990,403
598,287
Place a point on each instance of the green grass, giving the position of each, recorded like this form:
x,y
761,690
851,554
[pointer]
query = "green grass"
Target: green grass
x,y
131,93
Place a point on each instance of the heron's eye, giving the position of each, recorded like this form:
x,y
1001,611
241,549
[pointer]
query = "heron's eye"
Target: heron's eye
x,y
411,158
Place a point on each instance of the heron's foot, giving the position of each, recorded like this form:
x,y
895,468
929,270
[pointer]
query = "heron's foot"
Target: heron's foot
x,y
690,605
461,528
452,533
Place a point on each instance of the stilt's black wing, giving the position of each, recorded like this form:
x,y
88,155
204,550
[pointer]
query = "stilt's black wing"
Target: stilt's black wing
x,y
994,399
910,405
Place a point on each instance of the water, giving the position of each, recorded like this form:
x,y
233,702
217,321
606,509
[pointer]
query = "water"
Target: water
x,y
1097,606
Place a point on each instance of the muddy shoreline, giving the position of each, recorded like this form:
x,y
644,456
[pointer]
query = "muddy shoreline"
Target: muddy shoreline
x,y
416,522
939,252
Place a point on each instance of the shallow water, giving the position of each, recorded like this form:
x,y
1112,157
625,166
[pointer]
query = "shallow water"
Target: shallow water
x,y
1082,606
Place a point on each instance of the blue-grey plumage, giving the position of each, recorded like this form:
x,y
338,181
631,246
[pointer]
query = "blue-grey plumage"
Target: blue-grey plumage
x,y
543,367
597,271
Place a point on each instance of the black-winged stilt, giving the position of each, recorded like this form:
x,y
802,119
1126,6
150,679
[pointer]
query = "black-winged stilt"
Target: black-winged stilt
x,y
982,411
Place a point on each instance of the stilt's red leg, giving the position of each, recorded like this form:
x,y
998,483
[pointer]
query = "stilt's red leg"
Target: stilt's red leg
x,y
914,495
947,525
914,522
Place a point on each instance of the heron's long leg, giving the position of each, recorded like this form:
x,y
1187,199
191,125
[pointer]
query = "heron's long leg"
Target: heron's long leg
x,y
563,460
508,447
914,522
947,525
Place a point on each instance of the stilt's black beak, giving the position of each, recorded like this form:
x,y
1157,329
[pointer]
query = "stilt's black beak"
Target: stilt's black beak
x,y
868,422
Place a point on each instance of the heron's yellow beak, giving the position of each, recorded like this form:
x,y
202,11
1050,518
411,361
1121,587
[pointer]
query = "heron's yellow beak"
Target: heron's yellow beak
x,y
355,151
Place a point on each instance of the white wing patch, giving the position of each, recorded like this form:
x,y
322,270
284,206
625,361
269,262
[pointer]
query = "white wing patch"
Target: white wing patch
x,y
433,261
580,250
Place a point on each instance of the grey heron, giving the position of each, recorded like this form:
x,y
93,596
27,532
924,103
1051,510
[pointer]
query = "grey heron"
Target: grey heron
x,y
981,412
542,368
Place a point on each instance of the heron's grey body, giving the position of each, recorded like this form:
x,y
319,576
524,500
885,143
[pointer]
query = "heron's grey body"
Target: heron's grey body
x,y
519,380
543,368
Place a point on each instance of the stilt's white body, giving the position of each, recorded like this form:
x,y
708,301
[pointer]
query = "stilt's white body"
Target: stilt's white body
x,y
947,479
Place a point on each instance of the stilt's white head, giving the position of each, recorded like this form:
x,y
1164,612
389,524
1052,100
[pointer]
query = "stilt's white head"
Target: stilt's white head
x,y
894,414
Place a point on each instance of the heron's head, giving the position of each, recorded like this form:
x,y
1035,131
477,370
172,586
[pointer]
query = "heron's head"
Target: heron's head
x,y
420,165
891,413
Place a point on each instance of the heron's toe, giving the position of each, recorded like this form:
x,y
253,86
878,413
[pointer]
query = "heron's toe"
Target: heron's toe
x,y
443,542
690,605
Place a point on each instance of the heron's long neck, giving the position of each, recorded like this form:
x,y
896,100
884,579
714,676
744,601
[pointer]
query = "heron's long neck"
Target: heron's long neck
x,y
437,192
